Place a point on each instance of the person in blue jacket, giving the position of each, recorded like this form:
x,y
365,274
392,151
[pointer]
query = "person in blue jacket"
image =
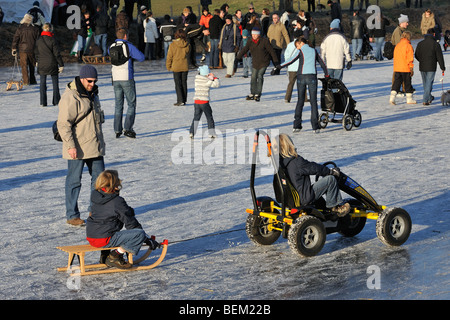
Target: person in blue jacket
x,y
110,213
124,85
306,77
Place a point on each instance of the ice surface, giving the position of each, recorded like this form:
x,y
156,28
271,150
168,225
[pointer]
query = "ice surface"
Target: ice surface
x,y
399,154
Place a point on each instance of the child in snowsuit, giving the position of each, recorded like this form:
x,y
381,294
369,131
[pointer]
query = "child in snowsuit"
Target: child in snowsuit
x,y
203,82
110,213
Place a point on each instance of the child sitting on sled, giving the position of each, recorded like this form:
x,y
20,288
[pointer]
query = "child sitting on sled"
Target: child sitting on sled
x,y
110,213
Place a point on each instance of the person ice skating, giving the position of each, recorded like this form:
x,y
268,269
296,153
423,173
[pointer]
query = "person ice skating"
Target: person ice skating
x,y
429,54
299,171
79,123
306,77
110,213
177,62
50,63
124,84
203,82
261,52
403,68
23,44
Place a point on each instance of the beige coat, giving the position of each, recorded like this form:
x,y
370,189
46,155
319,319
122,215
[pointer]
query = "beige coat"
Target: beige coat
x,y
87,135
278,36
177,56
427,23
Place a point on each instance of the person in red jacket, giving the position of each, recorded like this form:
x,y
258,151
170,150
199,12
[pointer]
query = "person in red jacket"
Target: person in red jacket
x,y
403,68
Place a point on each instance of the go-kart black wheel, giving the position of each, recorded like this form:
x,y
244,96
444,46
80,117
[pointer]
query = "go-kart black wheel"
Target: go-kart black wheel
x,y
323,120
350,226
307,236
259,232
347,122
357,119
393,227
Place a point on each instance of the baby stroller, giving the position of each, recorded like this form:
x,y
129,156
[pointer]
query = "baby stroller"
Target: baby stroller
x,y
366,49
335,98
446,39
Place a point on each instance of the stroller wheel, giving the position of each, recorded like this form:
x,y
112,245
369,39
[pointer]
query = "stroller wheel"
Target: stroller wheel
x,y
347,122
357,119
323,120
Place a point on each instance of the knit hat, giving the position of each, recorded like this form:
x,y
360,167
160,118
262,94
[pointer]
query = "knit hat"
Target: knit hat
x,y
88,71
403,18
256,30
36,4
335,24
203,70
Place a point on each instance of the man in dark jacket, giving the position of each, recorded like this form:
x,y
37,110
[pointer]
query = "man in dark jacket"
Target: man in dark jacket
x,y
358,29
215,26
101,24
261,51
429,54
24,41
50,63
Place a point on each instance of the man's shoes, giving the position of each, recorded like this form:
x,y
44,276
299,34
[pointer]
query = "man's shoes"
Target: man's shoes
x,y
115,259
76,222
317,131
257,97
129,134
296,130
342,210
250,97
118,134
179,104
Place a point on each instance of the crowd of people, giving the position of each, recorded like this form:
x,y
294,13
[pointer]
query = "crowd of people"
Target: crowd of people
x,y
225,39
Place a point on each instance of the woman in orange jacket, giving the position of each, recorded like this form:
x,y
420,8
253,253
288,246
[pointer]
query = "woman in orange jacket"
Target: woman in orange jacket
x,y
403,68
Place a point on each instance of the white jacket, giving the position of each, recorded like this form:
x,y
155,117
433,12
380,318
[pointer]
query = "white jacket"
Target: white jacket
x,y
202,87
335,50
150,30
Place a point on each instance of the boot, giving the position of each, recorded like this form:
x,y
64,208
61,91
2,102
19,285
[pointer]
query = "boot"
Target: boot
x,y
342,210
80,56
115,259
409,99
392,97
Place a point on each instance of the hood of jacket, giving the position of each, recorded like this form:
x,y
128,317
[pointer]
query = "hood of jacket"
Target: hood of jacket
x,y
100,197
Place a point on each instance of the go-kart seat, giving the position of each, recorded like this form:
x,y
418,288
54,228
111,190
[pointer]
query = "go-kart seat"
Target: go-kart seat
x,y
293,198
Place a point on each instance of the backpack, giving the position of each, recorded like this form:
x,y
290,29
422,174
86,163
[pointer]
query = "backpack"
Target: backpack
x,y
388,50
117,55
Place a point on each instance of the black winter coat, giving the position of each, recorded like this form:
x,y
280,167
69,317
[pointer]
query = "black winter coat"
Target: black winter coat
x,y
110,213
299,171
357,27
101,23
429,53
261,52
215,27
48,56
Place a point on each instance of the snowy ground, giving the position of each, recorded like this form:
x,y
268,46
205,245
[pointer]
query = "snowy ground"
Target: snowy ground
x,y
399,154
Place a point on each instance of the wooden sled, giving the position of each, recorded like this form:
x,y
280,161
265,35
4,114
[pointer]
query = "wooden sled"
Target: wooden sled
x,y
9,84
96,60
100,268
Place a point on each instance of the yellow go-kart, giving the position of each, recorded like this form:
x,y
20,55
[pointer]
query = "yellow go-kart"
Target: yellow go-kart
x,y
306,226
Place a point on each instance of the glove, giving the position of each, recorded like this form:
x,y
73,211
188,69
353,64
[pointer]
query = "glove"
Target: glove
x,y
60,69
152,243
275,71
327,76
411,71
335,172
443,73
349,65
14,52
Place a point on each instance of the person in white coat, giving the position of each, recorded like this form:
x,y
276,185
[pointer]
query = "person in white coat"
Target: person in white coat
x,y
335,51
150,36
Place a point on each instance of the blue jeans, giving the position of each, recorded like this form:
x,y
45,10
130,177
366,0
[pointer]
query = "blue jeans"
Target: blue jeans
x,y
327,186
100,40
199,109
257,81
427,80
73,182
81,43
247,65
378,45
336,73
303,81
125,88
43,90
214,54
129,240
166,47
356,47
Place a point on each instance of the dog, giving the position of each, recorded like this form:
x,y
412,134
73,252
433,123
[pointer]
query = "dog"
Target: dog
x,y
445,98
